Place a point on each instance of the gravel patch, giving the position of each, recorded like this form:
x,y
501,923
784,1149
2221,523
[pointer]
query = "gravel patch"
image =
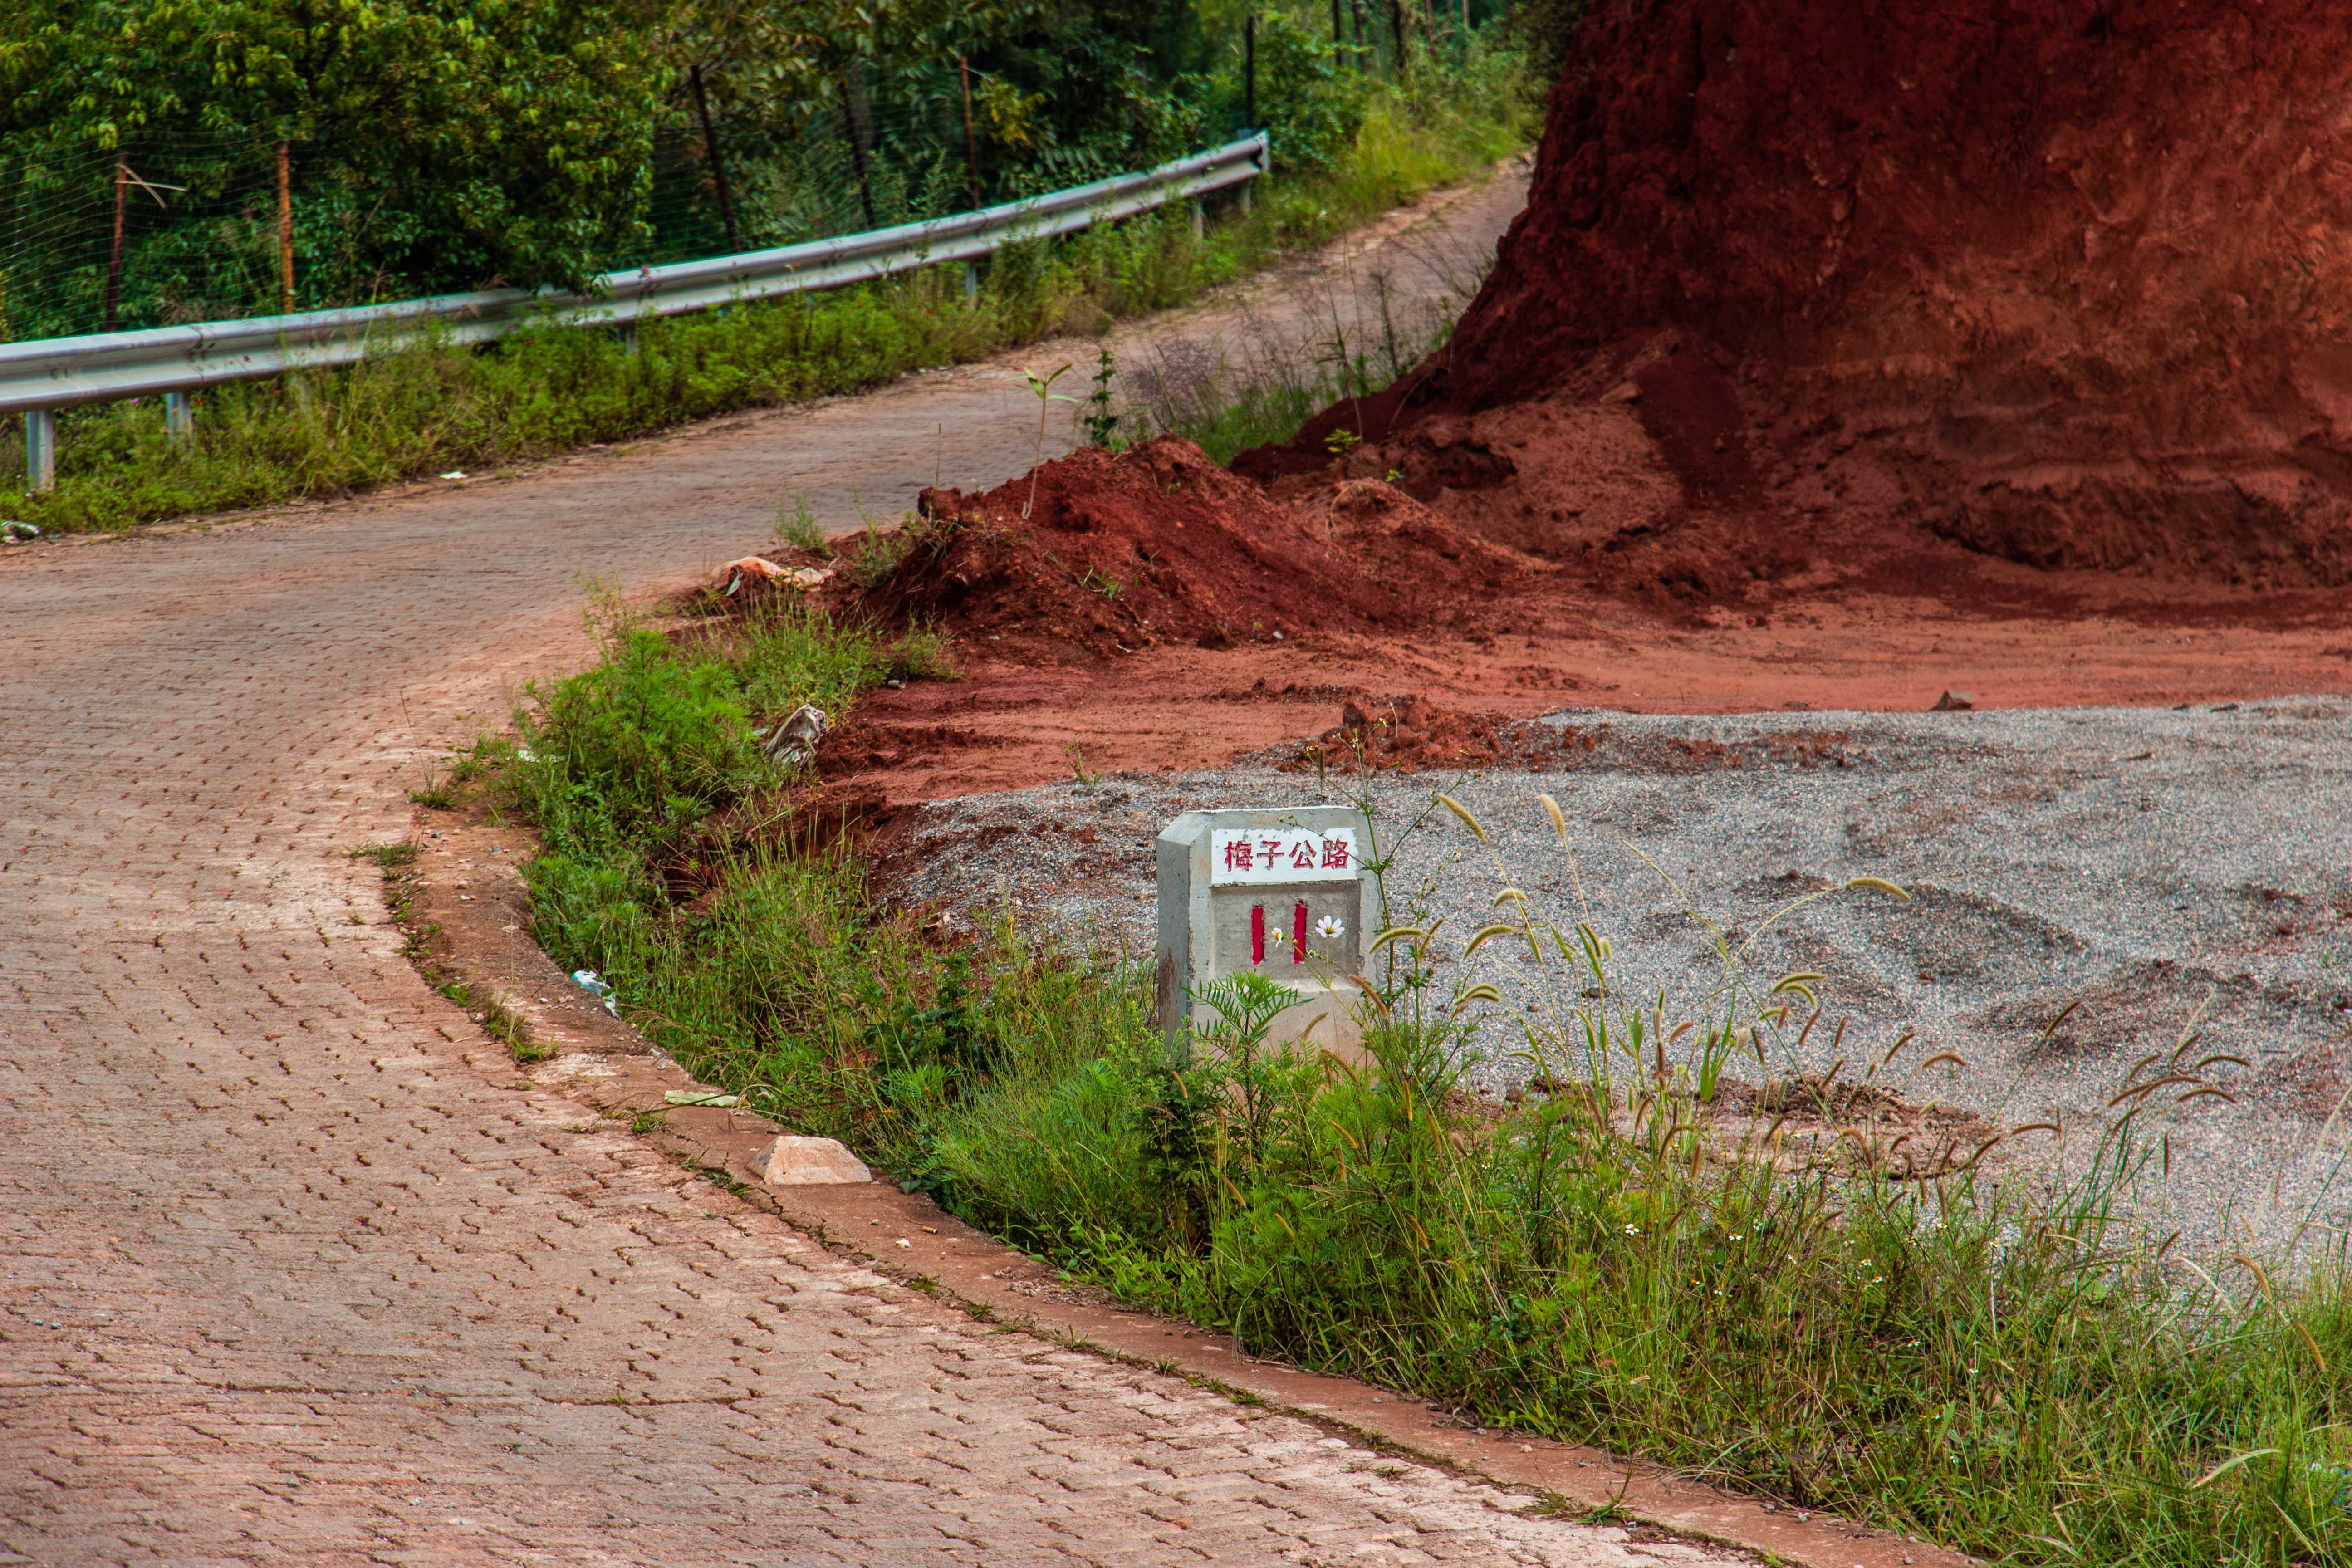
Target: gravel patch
x,y
2162,870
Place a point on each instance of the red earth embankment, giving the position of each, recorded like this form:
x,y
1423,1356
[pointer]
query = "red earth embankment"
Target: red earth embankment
x,y
2065,281
1849,352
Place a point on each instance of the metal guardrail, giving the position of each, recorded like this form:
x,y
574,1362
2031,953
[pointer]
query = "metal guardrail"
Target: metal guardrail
x,y
41,376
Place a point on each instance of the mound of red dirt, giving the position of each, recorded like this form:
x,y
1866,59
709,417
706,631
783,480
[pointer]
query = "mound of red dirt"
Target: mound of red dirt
x,y
1814,303
1409,734
2066,281
1110,553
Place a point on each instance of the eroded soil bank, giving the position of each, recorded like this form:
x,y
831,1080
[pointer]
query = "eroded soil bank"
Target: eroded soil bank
x,y
2065,281
1155,612
1844,355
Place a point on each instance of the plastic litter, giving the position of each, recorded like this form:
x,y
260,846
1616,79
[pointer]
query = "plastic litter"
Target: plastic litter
x,y
12,530
455,474
804,578
589,981
688,1097
794,742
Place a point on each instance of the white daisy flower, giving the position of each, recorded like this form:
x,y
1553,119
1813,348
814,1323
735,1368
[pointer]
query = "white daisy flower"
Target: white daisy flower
x,y
1330,928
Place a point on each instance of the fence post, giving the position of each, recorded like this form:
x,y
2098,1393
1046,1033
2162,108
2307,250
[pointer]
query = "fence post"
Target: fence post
x,y
971,143
718,165
40,449
179,418
114,256
285,230
856,150
1249,72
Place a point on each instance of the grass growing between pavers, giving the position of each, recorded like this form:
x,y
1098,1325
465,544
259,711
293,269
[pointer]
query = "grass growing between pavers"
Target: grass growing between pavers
x,y
436,409
2009,1370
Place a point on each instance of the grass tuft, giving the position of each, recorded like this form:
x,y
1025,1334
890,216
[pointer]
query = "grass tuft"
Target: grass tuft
x,y
800,528
920,653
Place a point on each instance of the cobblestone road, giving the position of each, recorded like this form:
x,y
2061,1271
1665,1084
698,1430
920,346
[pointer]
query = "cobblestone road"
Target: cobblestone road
x,y
288,1278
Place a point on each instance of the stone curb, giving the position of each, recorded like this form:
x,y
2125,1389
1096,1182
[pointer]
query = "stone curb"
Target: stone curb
x,y
479,937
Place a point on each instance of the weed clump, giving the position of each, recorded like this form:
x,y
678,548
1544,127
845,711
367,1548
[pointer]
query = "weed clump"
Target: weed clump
x,y
800,528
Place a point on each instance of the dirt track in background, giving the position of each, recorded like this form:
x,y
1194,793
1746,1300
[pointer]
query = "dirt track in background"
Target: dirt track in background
x,y
689,498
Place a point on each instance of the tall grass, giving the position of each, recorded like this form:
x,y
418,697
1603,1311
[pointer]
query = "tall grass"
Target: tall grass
x,y
1269,387
438,408
1846,1323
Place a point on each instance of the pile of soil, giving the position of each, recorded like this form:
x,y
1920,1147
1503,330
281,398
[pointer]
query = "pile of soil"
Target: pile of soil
x,y
1861,351
1108,553
1412,734
1812,300
1409,734
2065,281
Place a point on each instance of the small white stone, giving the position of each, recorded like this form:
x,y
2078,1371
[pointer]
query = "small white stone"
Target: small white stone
x,y
813,1163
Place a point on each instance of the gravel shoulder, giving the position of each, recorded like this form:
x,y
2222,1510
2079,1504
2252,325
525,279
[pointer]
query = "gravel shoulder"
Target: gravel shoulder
x,y
2162,872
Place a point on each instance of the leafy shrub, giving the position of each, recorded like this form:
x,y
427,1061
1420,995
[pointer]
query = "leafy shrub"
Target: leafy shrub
x,y
643,740
1312,109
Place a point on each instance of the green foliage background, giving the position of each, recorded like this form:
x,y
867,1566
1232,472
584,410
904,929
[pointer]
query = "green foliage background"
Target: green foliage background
x,y
435,407
440,145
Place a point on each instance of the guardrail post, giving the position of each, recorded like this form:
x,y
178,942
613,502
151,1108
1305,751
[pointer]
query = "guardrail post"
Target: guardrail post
x,y
179,418
970,281
1200,218
40,449
1242,193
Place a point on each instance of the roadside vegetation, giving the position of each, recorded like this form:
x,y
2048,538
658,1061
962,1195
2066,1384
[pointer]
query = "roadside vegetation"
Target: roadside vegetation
x,y
1626,1257
1353,136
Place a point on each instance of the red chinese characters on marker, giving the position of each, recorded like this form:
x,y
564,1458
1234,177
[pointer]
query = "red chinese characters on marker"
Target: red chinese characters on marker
x,y
1265,856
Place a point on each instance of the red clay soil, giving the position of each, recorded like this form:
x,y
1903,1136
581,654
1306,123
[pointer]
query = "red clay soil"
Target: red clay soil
x,y
2068,282
1105,555
1849,352
1424,657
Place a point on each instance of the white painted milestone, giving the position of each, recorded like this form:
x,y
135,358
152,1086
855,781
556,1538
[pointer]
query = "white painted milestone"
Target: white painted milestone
x,y
1279,891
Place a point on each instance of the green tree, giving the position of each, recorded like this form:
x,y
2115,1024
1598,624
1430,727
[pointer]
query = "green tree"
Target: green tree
x,y
437,144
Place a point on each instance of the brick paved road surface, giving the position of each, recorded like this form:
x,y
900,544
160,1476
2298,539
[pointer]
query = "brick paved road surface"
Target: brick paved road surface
x,y
286,1277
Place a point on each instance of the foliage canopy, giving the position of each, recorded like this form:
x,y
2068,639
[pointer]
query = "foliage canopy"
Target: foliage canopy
x,y
437,145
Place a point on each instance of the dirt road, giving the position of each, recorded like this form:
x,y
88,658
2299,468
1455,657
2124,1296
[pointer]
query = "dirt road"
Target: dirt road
x,y
292,1277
